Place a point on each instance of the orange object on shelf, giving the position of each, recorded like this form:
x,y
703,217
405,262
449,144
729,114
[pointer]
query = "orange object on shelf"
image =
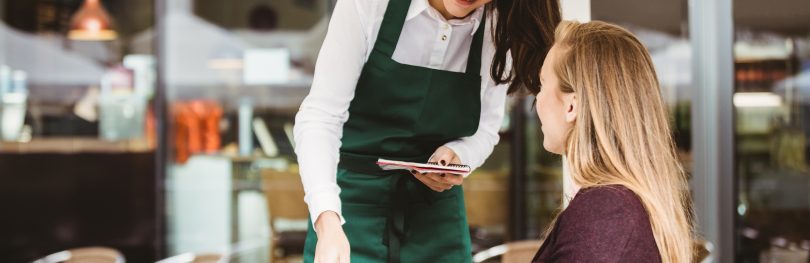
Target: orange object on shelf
x,y
196,128
150,128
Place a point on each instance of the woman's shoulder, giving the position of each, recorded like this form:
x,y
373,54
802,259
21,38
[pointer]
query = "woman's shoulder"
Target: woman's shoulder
x,y
608,194
604,222
605,203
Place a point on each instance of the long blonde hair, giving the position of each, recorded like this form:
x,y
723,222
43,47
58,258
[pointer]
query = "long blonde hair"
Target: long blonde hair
x,y
622,134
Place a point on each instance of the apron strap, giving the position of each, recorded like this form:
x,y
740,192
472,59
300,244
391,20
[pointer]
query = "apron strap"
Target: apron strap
x,y
474,57
391,26
395,225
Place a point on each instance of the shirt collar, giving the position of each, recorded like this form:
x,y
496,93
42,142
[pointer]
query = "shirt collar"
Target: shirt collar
x,y
419,6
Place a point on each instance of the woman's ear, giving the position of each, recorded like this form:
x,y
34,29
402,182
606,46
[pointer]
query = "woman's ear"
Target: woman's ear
x,y
570,100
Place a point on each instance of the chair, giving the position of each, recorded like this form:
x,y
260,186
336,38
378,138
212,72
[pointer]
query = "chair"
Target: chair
x,y
485,198
285,201
520,251
85,255
234,253
195,258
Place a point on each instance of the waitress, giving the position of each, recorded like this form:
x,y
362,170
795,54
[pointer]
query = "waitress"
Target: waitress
x,y
400,80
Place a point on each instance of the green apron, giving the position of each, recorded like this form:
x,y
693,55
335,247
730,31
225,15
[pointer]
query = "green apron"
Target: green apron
x,y
404,112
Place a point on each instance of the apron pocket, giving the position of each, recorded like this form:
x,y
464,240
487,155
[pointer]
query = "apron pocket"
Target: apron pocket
x,y
437,232
365,229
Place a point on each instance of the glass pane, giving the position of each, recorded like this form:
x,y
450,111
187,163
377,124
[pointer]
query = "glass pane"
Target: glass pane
x,y
76,128
486,194
236,73
75,77
661,27
772,69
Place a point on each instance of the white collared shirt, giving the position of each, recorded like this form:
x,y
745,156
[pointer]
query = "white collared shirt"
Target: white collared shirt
x,y
427,40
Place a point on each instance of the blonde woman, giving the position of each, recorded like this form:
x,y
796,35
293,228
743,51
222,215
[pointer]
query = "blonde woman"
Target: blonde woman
x,y
600,106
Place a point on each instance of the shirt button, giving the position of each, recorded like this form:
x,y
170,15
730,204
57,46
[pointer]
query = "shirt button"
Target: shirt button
x,y
444,37
445,26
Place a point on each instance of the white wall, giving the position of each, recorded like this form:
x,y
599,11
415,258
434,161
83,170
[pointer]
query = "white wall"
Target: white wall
x,y
579,10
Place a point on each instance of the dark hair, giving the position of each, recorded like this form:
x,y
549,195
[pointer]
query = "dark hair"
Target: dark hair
x,y
526,29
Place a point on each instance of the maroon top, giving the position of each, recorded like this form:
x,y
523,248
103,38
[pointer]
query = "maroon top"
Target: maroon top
x,y
601,224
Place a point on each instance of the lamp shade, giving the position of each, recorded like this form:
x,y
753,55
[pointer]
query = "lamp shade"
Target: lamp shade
x,y
91,23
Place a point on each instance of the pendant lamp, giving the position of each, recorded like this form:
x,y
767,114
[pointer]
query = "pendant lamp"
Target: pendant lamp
x,y
91,23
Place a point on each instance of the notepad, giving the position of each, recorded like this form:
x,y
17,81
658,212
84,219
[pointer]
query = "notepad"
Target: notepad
x,y
459,169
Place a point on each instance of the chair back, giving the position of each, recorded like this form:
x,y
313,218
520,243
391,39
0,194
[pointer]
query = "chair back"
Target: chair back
x,y
195,258
85,255
285,195
513,252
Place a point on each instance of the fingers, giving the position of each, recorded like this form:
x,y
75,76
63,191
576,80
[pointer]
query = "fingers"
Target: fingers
x,y
332,247
446,179
453,179
455,160
444,156
326,256
345,256
433,181
430,184
438,181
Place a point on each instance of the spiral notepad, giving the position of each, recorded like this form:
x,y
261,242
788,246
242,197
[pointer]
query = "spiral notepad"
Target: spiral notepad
x,y
459,169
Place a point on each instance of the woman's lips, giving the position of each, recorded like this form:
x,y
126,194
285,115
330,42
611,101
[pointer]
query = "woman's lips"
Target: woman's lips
x,y
465,3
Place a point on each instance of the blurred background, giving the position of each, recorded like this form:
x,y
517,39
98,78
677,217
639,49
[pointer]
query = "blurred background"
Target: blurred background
x,y
162,129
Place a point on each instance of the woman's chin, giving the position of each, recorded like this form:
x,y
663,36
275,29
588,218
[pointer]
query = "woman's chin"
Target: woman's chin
x,y
550,147
457,9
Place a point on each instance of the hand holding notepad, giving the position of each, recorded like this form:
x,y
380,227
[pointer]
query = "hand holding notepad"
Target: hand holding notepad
x,y
458,169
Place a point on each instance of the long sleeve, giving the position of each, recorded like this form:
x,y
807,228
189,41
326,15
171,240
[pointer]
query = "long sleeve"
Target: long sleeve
x,y
319,122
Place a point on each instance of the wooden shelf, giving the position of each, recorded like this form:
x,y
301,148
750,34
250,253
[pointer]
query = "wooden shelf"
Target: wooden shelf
x,y
68,145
